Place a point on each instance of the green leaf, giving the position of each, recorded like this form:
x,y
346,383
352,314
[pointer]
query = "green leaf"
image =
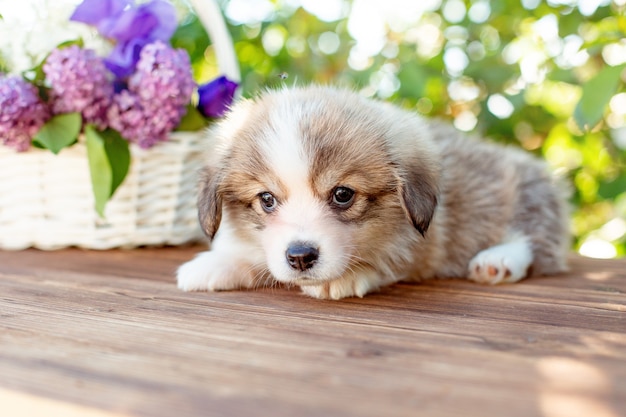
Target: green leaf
x,y
610,190
118,154
59,132
192,121
80,42
412,77
109,160
99,168
596,94
191,36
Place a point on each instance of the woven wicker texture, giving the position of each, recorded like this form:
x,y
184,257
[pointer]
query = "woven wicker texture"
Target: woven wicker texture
x,y
46,200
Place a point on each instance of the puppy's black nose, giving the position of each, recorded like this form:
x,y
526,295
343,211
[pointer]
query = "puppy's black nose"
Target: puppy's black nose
x,y
301,256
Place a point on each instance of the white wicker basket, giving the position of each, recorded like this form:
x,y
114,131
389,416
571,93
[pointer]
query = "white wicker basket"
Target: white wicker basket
x,y
46,200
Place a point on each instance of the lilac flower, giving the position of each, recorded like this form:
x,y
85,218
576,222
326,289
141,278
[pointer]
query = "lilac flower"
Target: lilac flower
x,y
79,82
22,113
216,96
163,74
157,96
142,122
132,26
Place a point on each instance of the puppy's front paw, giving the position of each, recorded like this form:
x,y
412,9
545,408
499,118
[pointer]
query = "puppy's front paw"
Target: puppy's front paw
x,y
209,271
348,286
508,262
329,291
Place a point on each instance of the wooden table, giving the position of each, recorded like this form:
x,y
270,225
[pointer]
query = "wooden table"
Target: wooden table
x,y
85,333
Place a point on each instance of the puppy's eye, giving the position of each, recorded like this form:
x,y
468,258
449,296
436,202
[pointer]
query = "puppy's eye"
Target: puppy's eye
x,y
343,197
268,202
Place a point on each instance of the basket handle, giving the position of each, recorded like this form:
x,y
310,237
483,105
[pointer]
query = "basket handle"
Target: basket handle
x,y
210,15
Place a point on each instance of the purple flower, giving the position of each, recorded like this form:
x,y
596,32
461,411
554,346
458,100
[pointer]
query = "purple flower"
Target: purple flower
x,y
99,12
141,122
163,74
132,26
152,21
22,113
79,82
216,96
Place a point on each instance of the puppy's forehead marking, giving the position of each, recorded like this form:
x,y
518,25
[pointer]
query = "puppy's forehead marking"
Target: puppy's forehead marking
x,y
282,146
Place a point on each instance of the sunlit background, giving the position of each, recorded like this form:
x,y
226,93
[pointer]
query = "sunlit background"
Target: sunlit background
x,y
511,70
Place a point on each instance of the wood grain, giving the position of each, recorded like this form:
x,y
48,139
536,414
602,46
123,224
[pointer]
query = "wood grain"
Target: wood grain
x,y
108,333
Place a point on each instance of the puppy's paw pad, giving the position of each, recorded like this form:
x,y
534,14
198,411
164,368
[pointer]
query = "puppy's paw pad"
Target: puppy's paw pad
x,y
503,263
489,271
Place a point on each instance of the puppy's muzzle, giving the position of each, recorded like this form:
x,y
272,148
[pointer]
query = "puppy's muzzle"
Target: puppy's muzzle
x,y
301,256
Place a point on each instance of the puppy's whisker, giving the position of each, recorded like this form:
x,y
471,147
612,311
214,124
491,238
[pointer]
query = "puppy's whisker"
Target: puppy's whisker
x,y
261,277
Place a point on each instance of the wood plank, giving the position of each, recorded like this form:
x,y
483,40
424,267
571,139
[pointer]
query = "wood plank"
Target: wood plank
x,y
109,331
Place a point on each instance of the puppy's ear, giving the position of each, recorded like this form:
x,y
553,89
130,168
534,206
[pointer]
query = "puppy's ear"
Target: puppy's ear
x,y
419,191
210,201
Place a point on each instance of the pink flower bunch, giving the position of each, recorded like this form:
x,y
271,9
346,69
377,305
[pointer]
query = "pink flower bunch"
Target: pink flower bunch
x,y
22,113
79,82
158,93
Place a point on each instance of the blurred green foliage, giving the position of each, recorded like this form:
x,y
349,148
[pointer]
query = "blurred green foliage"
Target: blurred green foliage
x,y
541,75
